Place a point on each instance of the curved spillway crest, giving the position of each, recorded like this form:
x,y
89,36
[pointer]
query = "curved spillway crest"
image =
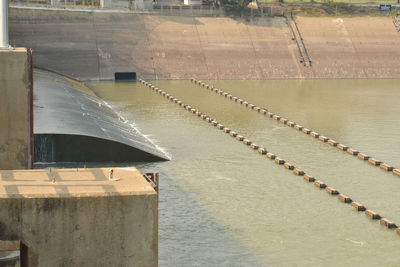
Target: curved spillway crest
x,y
71,124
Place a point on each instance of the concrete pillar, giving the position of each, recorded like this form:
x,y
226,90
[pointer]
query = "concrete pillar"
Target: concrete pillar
x,y
16,120
4,24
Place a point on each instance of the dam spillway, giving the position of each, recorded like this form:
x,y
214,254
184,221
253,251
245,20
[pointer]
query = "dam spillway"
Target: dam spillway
x,y
71,124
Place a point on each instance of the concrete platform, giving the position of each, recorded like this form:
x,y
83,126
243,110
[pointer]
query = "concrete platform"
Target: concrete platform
x,y
78,217
51,183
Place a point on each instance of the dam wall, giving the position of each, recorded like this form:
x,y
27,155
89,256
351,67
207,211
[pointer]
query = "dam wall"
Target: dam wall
x,y
94,45
16,133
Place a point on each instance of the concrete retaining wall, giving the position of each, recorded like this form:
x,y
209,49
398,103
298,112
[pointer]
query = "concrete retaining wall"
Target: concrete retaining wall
x,y
15,117
95,45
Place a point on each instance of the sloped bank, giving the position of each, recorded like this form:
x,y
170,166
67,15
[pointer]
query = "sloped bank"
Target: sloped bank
x,y
93,46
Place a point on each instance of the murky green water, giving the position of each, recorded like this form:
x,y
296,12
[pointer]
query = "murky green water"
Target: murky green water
x,y
223,204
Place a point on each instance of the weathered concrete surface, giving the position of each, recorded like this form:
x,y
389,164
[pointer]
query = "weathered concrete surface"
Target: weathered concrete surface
x,y
367,47
77,217
14,109
95,45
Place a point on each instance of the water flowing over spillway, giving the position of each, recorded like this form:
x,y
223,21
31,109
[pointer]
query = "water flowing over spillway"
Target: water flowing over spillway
x,y
71,124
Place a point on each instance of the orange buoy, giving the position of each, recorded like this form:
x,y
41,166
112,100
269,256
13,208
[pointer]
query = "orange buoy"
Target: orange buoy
x,y
344,198
372,214
319,184
357,206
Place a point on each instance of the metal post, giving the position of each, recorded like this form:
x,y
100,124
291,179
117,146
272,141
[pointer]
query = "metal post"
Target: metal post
x,y
4,43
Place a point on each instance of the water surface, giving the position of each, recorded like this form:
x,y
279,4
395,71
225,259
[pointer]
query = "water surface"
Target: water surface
x,y
224,204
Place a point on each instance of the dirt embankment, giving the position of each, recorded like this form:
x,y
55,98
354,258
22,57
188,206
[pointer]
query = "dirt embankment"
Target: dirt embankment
x,y
95,45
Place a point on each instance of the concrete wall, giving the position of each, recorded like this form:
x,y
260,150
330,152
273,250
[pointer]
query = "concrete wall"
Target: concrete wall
x,y
15,137
78,217
95,45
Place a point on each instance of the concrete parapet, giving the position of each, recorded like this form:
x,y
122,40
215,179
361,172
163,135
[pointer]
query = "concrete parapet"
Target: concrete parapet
x,y
79,217
16,102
